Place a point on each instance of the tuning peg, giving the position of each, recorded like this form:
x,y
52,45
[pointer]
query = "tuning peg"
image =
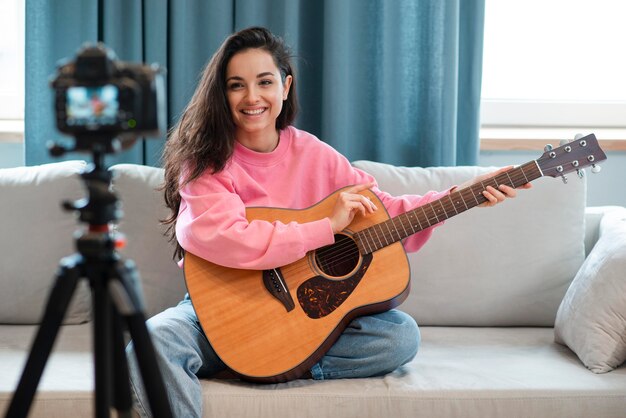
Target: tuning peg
x,y
564,178
547,148
565,141
580,172
578,136
595,168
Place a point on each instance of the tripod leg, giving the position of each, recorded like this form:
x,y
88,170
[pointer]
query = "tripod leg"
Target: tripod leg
x,y
122,400
102,346
127,300
60,296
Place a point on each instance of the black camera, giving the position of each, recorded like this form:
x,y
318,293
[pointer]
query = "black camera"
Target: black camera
x,y
99,97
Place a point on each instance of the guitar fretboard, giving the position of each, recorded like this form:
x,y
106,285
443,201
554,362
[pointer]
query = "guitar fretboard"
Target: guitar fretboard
x,y
425,216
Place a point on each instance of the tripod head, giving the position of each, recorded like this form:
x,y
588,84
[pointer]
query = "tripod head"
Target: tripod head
x,y
101,205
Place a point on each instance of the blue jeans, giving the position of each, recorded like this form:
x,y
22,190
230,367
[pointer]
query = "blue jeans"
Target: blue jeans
x,y
371,345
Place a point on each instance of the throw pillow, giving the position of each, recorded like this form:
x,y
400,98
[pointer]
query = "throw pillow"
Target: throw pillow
x,y
591,320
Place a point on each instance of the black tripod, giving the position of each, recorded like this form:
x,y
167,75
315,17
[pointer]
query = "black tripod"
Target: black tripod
x,y
116,299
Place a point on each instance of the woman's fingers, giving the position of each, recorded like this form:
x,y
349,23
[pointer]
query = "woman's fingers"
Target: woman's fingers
x,y
497,195
348,203
354,201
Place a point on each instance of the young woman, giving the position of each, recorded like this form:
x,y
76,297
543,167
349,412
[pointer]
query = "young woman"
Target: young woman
x,y
235,147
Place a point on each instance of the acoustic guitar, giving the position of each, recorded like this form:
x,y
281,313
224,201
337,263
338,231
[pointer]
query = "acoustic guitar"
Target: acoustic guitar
x,y
273,325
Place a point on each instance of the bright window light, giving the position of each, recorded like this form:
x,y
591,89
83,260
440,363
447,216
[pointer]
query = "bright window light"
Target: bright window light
x,y
12,59
567,53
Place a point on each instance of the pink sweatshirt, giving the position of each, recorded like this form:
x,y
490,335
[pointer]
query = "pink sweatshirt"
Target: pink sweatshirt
x,y
299,173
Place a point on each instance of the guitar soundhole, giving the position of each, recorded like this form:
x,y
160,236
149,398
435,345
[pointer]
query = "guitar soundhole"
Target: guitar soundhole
x,y
338,259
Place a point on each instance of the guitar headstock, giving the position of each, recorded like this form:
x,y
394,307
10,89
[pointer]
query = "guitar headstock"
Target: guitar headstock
x,y
575,155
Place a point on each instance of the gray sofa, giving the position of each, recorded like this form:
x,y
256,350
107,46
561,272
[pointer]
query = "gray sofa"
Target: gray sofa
x,y
493,292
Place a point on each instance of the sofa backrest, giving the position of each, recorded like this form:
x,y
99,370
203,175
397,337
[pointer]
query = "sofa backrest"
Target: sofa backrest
x,y
503,266
36,233
509,265
162,280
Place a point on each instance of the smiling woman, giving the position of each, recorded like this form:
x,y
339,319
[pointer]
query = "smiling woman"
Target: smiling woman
x,y
255,90
235,149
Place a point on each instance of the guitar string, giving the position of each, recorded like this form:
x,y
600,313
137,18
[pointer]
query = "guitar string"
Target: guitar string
x,y
339,253
389,237
343,252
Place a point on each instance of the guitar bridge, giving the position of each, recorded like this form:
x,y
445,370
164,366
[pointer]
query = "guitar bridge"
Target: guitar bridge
x,y
275,284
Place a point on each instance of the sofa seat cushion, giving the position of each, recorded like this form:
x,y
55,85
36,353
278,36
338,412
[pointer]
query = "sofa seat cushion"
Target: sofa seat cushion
x,y
460,372
65,389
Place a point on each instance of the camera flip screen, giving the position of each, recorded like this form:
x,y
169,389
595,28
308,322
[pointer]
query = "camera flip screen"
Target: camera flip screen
x,y
92,106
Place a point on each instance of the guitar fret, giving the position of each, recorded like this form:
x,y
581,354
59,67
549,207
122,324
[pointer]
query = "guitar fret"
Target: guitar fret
x,y
377,243
417,218
474,195
377,237
463,199
524,174
395,228
430,206
383,234
512,182
369,232
406,233
390,230
408,218
425,216
454,207
444,209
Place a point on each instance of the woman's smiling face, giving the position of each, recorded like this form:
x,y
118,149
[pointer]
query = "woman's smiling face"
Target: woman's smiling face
x,y
255,93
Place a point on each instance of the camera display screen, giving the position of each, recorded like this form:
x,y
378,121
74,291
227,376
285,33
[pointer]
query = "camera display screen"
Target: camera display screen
x,y
94,106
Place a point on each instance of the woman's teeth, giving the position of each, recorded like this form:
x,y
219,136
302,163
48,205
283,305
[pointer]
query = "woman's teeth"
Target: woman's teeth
x,y
253,112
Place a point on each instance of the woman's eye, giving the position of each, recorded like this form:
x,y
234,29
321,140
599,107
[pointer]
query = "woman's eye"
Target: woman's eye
x,y
265,82
235,86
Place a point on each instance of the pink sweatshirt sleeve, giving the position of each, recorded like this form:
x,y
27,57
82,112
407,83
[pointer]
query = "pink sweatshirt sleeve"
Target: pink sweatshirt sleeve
x,y
212,225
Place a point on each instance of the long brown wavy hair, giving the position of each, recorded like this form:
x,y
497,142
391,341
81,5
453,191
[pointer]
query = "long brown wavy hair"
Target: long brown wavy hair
x,y
204,137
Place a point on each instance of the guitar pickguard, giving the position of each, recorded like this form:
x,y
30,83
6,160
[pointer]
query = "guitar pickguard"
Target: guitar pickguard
x,y
320,296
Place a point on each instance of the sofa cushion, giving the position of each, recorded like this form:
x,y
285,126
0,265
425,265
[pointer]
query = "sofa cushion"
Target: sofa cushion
x,y
458,372
162,280
592,317
509,265
36,234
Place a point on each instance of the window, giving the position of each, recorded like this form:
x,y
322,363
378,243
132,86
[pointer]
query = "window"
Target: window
x,y
11,68
557,63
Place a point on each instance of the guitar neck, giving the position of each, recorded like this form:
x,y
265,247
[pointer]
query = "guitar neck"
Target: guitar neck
x,y
425,216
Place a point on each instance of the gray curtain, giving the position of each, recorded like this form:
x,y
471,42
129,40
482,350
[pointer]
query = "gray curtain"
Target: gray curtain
x,y
396,81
